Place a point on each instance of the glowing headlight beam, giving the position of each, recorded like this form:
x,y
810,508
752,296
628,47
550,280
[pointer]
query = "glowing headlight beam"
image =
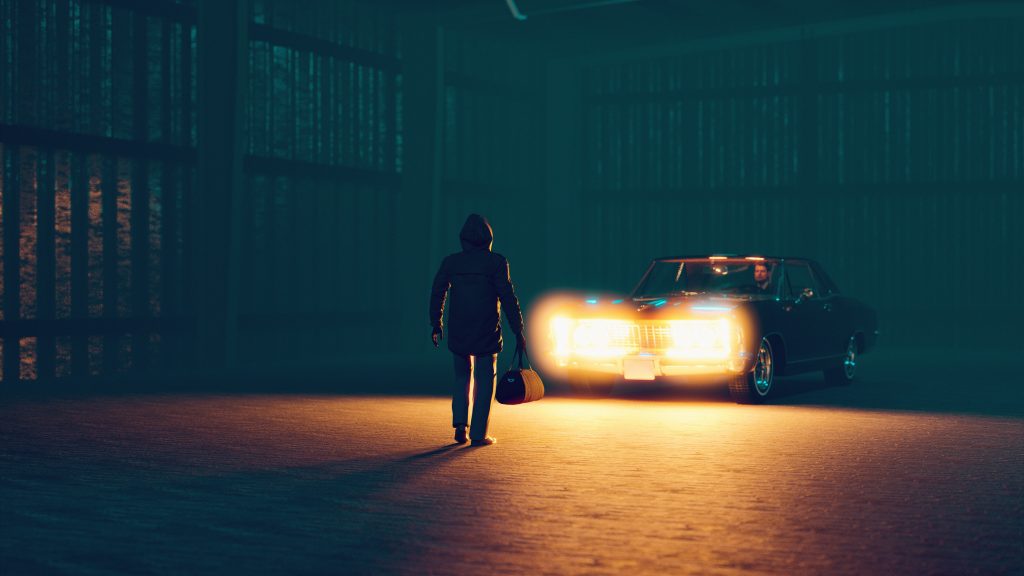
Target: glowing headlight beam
x,y
572,333
702,339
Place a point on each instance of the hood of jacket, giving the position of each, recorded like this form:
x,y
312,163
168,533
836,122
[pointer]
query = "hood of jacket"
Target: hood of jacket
x,y
476,233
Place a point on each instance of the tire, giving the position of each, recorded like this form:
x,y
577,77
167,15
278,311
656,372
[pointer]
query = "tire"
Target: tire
x,y
755,386
844,374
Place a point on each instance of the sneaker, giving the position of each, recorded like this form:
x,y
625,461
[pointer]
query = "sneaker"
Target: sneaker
x,y
485,441
460,435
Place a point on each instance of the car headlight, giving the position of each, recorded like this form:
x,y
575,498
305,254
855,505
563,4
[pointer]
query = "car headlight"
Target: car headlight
x,y
594,338
693,339
561,334
704,339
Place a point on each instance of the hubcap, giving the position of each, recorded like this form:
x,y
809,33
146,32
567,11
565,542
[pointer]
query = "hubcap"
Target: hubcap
x,y
763,368
850,361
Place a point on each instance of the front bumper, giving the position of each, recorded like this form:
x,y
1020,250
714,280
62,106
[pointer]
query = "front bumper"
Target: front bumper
x,y
648,366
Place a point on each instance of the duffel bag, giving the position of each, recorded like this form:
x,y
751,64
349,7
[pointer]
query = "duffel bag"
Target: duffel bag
x,y
519,385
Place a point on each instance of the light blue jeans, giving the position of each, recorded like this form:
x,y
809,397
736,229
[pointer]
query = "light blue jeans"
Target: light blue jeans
x,y
481,370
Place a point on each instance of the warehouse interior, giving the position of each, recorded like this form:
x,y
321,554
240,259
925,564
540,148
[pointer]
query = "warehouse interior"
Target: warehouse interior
x,y
220,221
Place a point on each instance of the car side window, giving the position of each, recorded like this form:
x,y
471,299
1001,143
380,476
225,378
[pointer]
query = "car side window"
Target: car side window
x,y
777,280
828,287
799,277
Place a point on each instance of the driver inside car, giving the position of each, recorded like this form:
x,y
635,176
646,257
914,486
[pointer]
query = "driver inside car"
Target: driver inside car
x,y
762,278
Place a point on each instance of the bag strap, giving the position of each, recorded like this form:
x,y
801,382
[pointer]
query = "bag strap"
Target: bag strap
x,y
523,352
517,358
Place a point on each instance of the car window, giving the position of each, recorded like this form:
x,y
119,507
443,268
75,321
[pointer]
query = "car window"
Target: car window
x,y
827,285
800,277
706,275
776,280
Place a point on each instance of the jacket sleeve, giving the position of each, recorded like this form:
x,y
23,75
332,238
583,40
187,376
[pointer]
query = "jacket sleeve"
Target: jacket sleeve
x,y
507,295
438,294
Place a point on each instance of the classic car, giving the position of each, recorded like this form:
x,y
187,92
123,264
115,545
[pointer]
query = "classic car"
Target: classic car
x,y
741,320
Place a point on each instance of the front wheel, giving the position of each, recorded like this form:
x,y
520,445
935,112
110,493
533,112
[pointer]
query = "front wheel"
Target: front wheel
x,y
843,374
755,386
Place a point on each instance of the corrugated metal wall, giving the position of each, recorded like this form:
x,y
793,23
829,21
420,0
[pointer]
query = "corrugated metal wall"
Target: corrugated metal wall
x,y
97,142
893,154
323,169
98,137
98,103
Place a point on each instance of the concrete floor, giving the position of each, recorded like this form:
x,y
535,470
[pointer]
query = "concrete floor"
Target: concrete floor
x,y
877,478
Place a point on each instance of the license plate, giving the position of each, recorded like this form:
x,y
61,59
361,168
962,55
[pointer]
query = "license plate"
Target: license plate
x,y
638,369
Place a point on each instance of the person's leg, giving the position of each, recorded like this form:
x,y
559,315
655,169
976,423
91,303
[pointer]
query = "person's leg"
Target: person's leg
x,y
460,390
484,376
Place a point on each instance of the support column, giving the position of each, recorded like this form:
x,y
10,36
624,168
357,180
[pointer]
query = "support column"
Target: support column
x,y
222,45
79,263
45,261
140,193
11,156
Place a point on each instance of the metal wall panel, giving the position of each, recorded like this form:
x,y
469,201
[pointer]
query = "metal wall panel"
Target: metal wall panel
x,y
94,118
893,155
323,168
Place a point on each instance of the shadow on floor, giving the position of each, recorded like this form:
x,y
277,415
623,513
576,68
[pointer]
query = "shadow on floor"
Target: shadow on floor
x,y
116,516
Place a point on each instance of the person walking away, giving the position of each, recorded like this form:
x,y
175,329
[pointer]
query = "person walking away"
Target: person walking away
x,y
475,283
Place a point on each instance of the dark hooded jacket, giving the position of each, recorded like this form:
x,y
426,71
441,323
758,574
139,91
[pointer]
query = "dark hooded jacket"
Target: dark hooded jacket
x,y
476,284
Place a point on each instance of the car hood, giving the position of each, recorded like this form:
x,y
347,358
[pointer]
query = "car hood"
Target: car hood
x,y
700,302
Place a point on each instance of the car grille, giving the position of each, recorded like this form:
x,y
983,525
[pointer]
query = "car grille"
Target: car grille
x,y
646,336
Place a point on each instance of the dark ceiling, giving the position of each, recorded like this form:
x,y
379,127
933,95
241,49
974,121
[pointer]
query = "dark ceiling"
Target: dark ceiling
x,y
590,27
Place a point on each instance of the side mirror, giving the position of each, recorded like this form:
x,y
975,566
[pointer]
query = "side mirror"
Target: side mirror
x,y
805,295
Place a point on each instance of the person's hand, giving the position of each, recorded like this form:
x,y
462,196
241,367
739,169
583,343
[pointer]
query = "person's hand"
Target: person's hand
x,y
521,341
437,335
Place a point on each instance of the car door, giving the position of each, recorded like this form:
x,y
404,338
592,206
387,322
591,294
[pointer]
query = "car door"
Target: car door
x,y
836,327
807,314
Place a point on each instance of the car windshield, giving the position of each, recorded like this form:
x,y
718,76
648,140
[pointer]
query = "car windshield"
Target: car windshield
x,y
709,276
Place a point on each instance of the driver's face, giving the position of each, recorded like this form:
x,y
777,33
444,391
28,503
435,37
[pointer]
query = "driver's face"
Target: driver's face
x,y
761,273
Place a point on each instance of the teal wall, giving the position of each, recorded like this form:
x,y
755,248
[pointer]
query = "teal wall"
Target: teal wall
x,y
274,197
891,150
